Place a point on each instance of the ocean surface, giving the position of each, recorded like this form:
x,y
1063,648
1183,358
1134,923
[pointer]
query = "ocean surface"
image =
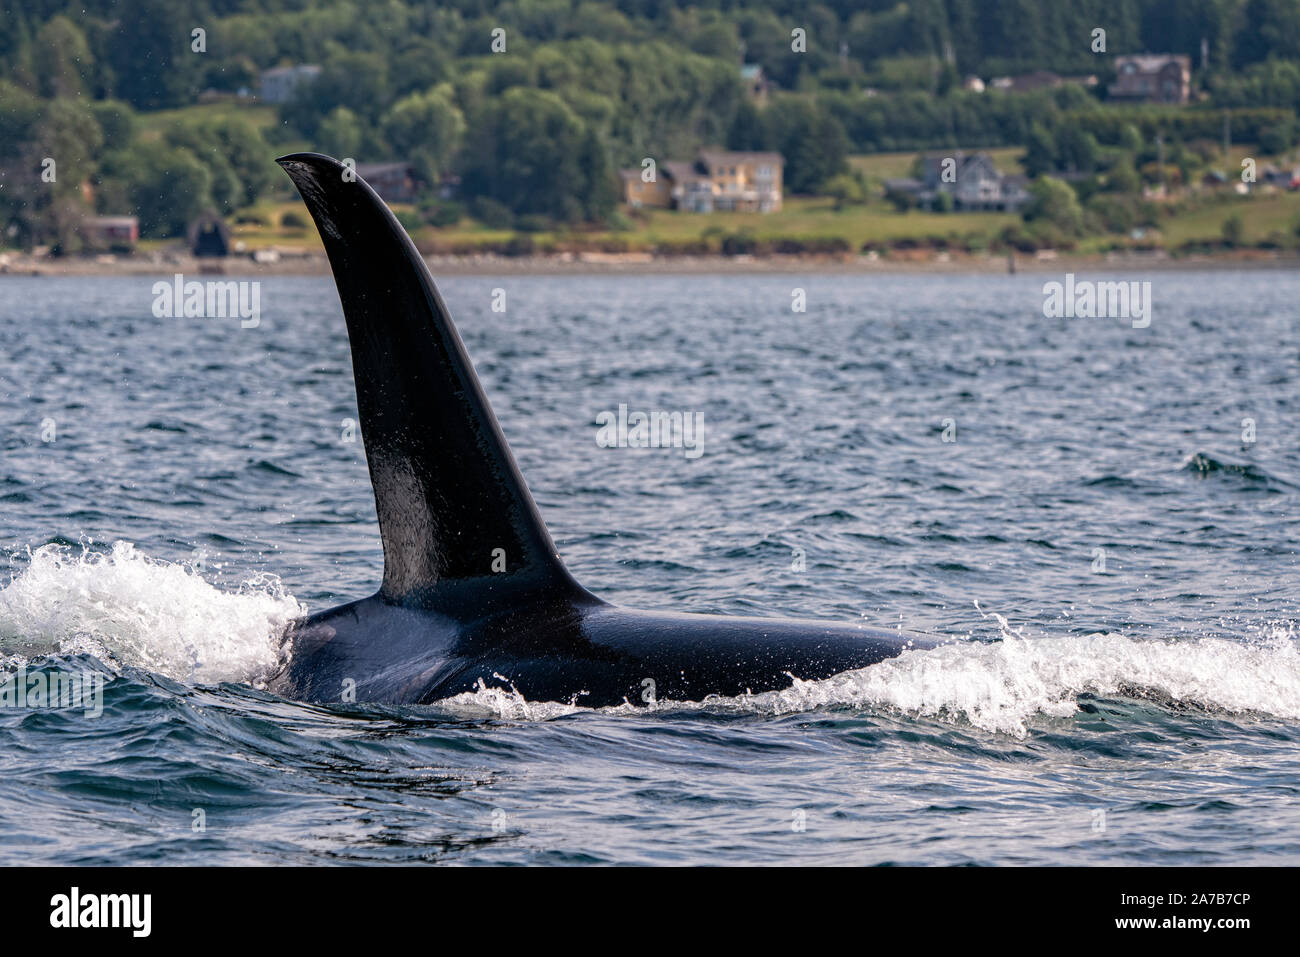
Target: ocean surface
x,y
1102,519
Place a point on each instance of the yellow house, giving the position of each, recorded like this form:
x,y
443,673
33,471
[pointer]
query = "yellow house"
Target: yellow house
x,y
637,192
718,179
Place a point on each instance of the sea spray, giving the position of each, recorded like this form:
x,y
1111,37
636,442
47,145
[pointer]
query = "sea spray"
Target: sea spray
x,y
1003,686
129,609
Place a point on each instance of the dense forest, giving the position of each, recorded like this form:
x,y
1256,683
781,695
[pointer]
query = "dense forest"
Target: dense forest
x,y
532,104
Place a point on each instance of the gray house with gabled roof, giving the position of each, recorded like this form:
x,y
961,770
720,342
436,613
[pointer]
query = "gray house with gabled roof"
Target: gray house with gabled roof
x,y
972,180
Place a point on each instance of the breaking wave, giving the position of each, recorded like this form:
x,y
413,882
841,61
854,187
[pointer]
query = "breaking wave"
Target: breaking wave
x,y
132,610
128,609
1003,686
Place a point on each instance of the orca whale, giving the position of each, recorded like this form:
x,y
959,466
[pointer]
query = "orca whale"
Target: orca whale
x,y
473,590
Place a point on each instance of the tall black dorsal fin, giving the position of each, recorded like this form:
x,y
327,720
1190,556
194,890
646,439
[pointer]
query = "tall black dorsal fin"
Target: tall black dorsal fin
x,y
447,490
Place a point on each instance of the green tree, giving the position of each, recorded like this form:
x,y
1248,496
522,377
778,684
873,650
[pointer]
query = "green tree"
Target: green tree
x,y
420,64
151,54
61,58
747,130
1130,139
1123,177
526,151
69,134
236,156
599,192
341,133
1278,137
167,188
1040,151
1077,150
357,80
1053,202
1271,29
18,117
117,120
15,39
1115,213
248,154
426,129
45,170
845,189
814,145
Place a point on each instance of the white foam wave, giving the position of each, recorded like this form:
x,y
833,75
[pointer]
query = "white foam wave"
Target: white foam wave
x,y
1002,686
129,609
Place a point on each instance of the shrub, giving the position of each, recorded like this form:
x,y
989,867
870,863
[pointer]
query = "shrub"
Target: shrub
x,y
444,215
827,245
532,223
1115,214
519,245
491,213
1232,230
739,244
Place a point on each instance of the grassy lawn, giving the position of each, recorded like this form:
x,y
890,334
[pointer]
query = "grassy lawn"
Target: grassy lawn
x,y
1260,216
817,218
814,218
805,218
879,167
273,232
259,115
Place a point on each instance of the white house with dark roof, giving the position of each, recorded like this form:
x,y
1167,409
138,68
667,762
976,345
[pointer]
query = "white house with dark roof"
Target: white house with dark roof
x,y
972,179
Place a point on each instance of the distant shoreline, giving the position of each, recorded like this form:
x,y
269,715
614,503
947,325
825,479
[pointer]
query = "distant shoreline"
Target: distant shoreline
x,y
645,264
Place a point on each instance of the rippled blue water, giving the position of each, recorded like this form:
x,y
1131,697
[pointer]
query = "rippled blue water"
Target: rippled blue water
x,y
1137,702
